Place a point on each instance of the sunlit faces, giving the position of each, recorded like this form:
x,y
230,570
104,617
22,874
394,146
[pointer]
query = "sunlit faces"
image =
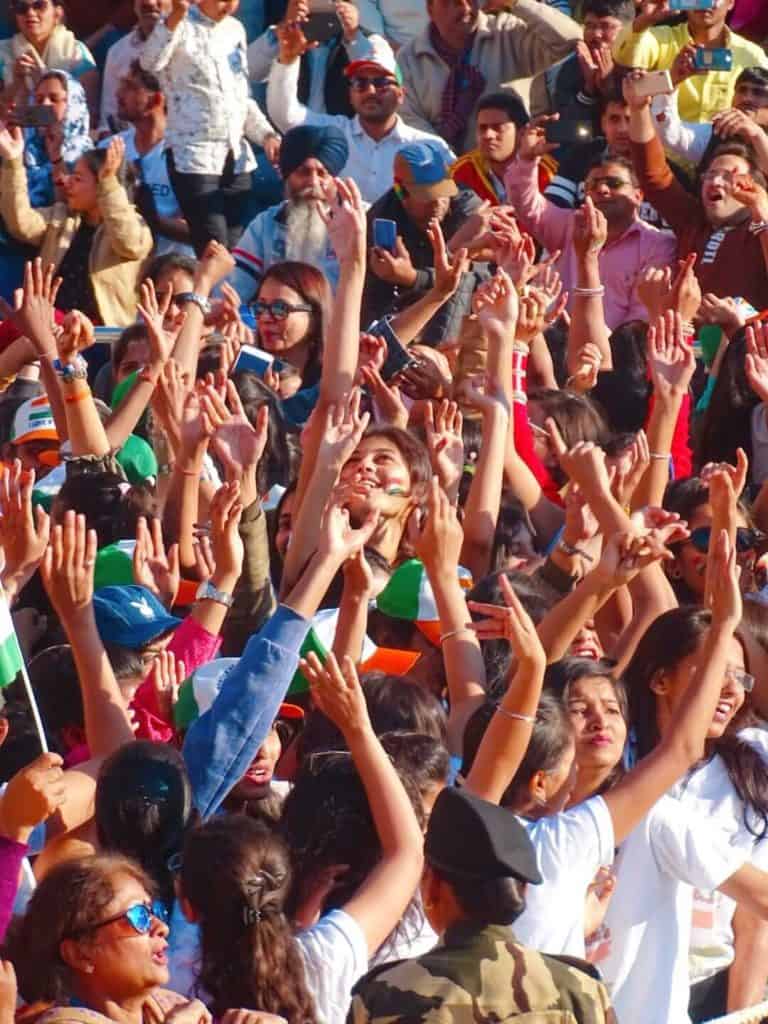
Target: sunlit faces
x,y
375,95
496,135
285,524
752,99
717,197
670,686
691,563
453,19
137,354
37,20
613,192
217,10
614,124
376,478
598,723
51,92
81,188
180,282
586,643
600,31
254,784
281,335
310,180
115,958
149,12
134,100
422,211
710,19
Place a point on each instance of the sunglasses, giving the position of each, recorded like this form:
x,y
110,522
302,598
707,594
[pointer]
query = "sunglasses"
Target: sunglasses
x,y
612,183
278,310
746,540
360,84
139,916
33,5
741,678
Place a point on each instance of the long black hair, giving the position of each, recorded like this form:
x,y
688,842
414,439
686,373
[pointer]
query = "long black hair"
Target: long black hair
x,y
674,636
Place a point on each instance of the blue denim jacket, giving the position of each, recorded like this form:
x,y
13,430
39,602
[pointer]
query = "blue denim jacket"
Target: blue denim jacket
x,y
221,744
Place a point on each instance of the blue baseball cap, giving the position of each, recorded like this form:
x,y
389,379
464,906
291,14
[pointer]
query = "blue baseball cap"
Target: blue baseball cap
x,y
130,616
421,170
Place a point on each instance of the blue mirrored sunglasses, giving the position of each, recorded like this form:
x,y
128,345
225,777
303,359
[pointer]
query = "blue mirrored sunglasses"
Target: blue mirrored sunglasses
x,y
139,916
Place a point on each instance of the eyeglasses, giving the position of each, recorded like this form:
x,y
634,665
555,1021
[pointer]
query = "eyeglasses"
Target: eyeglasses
x,y
740,677
611,182
22,8
360,84
746,540
139,917
279,309
727,176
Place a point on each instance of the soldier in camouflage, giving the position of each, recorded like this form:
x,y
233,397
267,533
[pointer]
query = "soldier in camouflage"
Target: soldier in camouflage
x,y
478,861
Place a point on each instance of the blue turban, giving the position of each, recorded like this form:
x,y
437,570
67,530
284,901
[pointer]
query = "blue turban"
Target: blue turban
x,y
325,143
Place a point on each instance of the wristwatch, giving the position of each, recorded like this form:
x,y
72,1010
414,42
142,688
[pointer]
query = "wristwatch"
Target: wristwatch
x,y
76,370
207,592
200,301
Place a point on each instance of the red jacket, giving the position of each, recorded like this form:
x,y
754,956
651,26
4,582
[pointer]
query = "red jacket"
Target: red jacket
x,y
472,171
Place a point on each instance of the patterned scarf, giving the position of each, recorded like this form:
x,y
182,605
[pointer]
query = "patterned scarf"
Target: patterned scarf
x,y
463,87
76,140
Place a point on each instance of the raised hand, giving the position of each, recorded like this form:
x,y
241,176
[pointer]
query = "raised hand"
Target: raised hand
x,y
358,575
203,414
215,264
685,293
75,335
24,533
496,305
654,289
684,65
32,796
756,359
115,153
168,673
228,550
240,445
725,594
67,567
439,539
484,395
516,256
389,402
746,190
626,478
338,539
670,357
510,622
11,143
626,554
588,363
737,475
445,443
337,692
153,567
651,12
532,139
344,426
590,229
153,311
33,306
345,220
395,268
292,42
584,463
722,311
448,270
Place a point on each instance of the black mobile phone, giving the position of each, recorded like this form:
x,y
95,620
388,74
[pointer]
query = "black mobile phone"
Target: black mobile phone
x,y
569,132
321,26
34,117
398,357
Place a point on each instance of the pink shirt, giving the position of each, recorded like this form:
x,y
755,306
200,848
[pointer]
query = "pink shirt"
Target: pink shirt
x,y
621,261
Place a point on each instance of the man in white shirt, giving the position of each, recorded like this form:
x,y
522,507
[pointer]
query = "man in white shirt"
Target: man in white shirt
x,y
141,104
376,132
121,55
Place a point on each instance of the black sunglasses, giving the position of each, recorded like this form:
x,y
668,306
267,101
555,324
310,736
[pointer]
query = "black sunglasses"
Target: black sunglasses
x,y
612,183
278,309
746,539
360,83
22,8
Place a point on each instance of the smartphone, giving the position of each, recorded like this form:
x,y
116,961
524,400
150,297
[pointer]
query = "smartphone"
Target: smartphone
x,y
385,234
34,117
691,5
569,132
653,83
719,58
398,357
321,26
255,360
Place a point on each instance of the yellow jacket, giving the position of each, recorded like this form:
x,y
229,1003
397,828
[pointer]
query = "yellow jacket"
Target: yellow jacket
x,y
700,96
120,245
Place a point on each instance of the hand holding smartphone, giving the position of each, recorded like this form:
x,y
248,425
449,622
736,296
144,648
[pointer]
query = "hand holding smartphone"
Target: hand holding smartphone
x,y
385,235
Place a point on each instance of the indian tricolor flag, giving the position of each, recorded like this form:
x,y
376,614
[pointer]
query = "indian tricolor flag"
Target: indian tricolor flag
x,y
408,595
374,659
10,652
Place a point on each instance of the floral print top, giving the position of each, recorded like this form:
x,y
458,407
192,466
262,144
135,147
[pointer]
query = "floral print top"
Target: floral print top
x,y
204,68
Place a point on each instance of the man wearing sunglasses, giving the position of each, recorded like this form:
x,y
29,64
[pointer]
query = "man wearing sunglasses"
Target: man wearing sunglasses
x,y
376,94
611,182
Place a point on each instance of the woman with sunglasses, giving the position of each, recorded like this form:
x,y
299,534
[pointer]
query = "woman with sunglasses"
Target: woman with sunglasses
x,y
43,42
91,946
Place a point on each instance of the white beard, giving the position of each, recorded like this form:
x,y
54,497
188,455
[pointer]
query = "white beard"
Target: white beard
x,y
306,234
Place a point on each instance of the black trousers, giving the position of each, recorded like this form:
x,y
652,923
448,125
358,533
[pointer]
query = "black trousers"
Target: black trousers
x,y
709,997
212,204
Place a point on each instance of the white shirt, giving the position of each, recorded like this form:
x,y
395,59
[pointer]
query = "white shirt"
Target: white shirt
x,y
643,954
153,172
120,56
570,848
370,161
210,109
683,139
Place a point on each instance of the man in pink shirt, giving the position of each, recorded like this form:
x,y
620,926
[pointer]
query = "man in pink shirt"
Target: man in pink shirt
x,y
632,244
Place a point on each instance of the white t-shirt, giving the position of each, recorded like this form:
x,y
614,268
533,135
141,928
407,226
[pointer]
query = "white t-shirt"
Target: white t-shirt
x,y
643,954
335,955
571,847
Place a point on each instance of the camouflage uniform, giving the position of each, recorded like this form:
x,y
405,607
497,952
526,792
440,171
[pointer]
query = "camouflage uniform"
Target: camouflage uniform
x,y
481,974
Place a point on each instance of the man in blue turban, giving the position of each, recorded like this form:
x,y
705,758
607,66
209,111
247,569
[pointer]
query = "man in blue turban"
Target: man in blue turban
x,y
311,156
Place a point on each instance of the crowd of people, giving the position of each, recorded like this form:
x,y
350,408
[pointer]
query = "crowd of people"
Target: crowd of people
x,y
384,512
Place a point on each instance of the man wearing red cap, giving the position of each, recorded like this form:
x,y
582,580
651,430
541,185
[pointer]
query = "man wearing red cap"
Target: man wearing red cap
x,y
376,132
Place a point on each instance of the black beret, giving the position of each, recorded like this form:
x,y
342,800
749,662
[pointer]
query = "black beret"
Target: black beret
x,y
469,838
325,143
